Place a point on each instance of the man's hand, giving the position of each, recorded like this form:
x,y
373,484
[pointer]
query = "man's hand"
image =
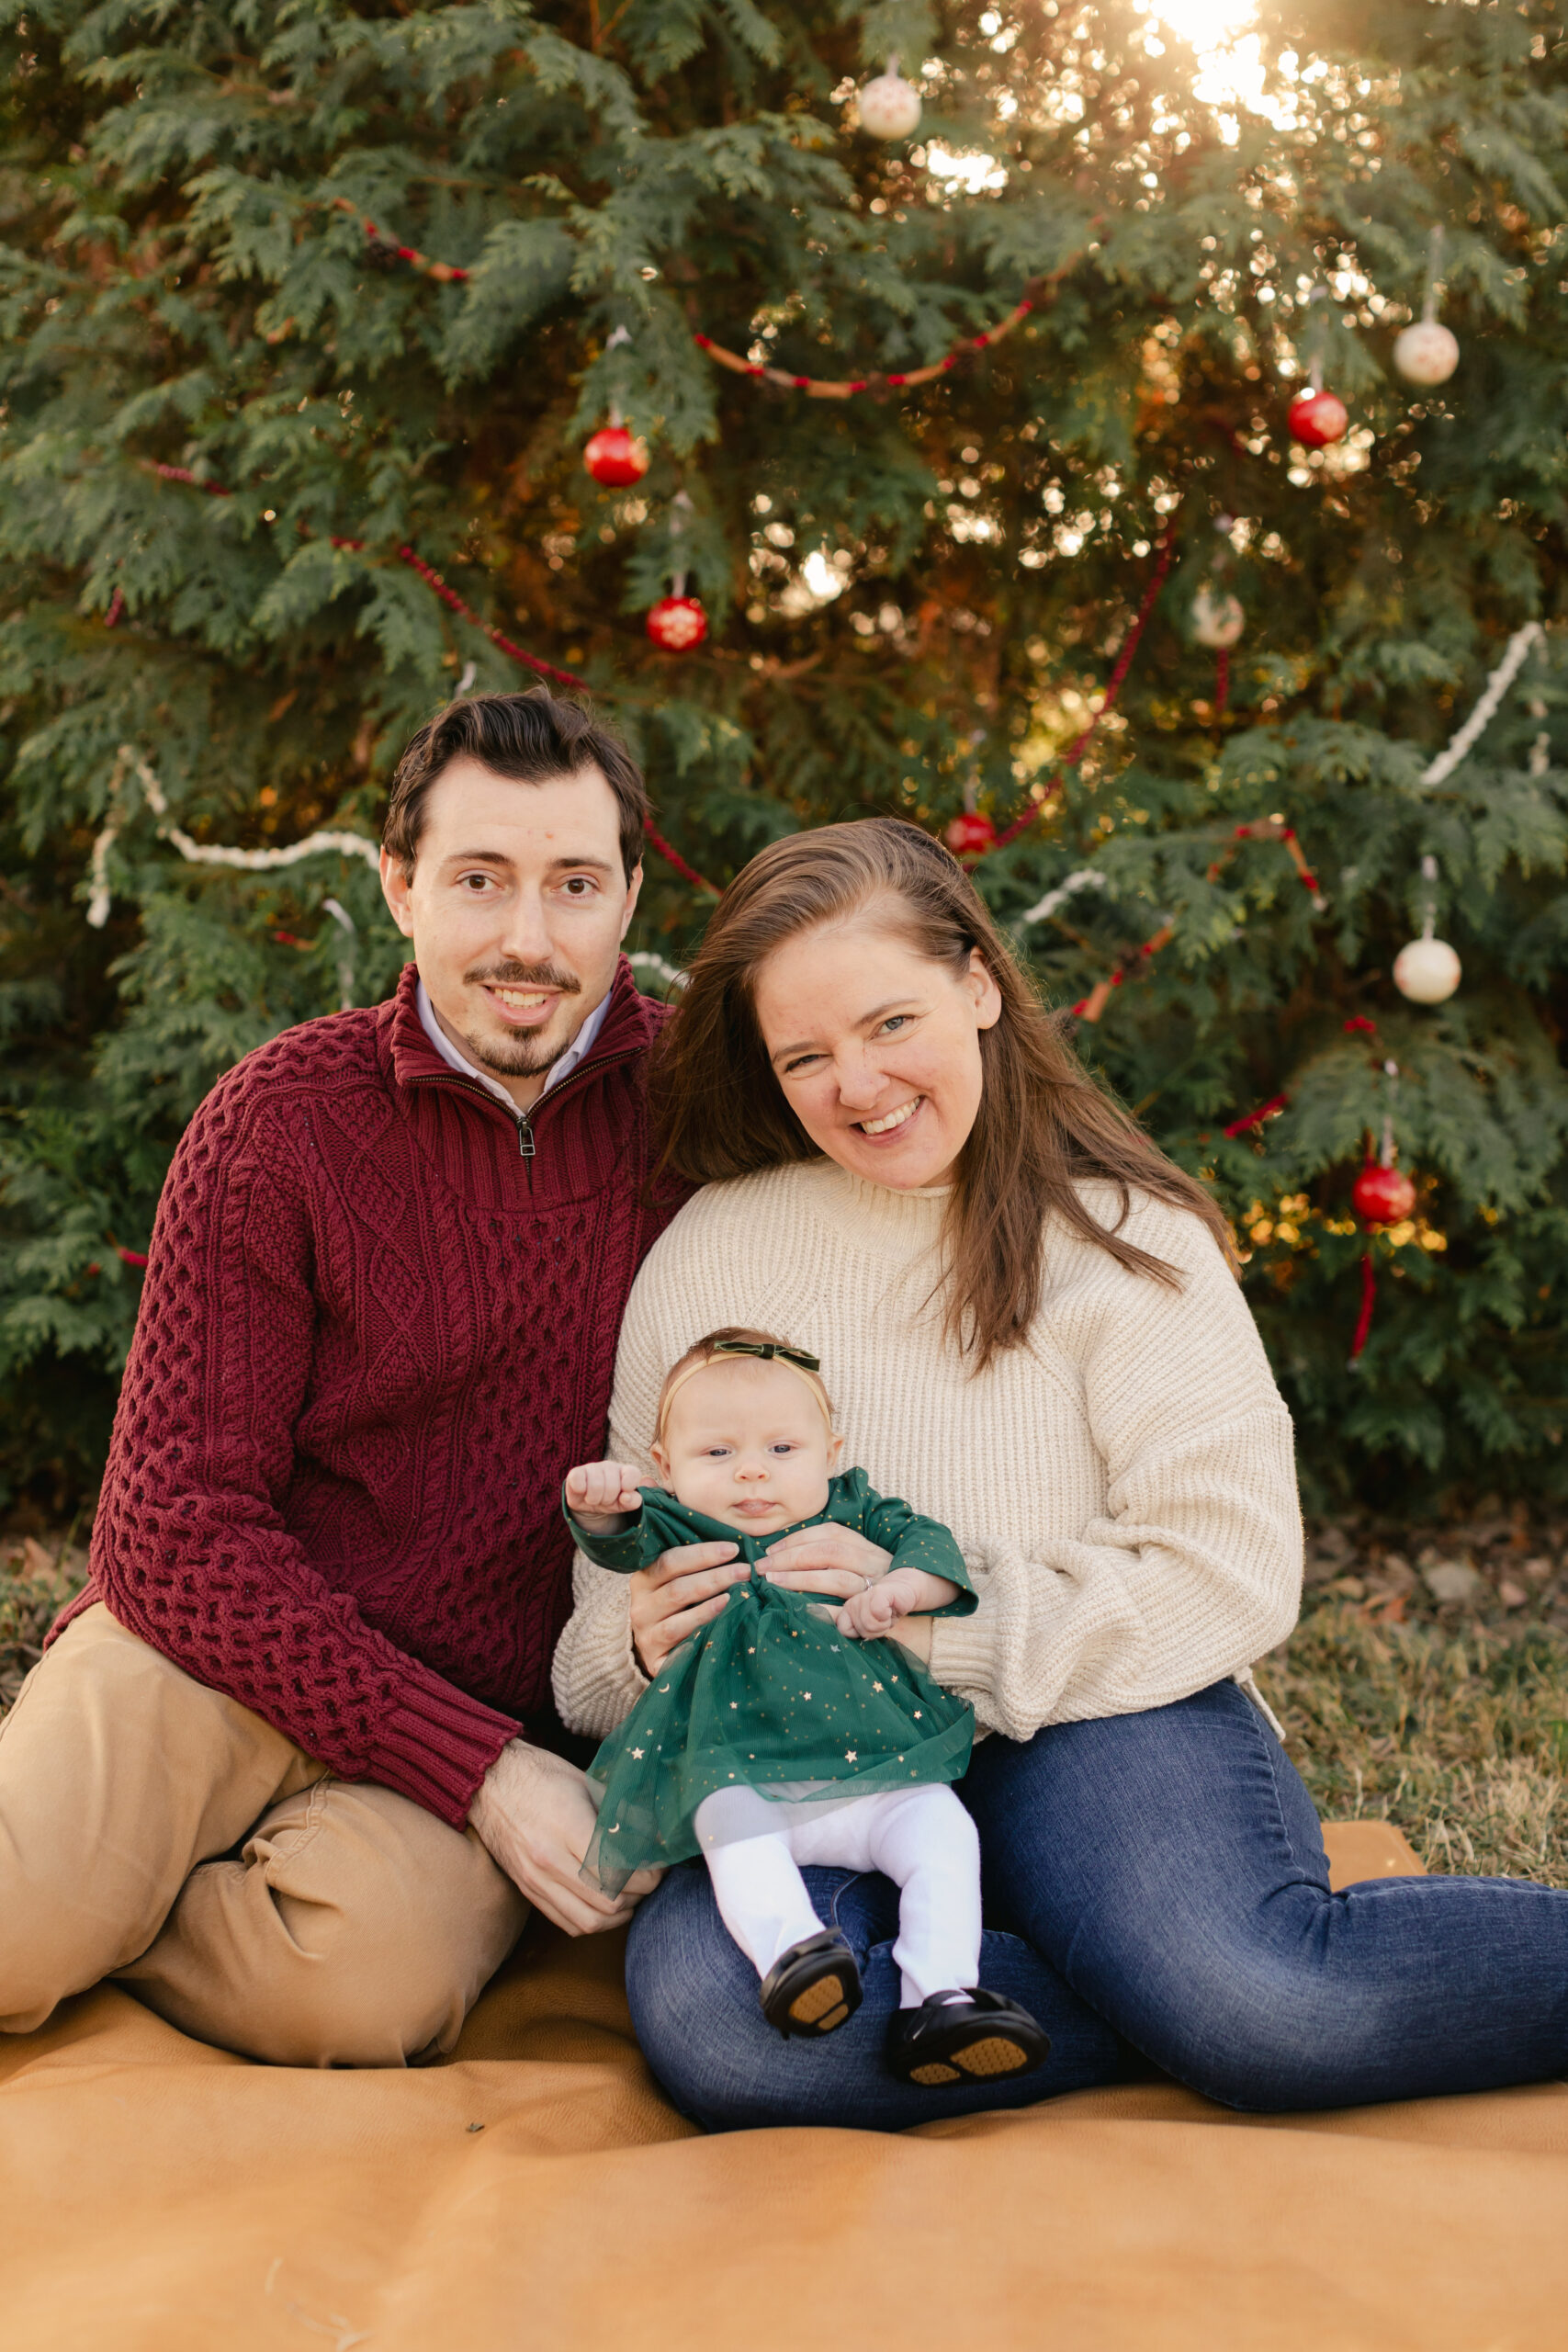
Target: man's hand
x,y
685,1588
602,1496
534,1811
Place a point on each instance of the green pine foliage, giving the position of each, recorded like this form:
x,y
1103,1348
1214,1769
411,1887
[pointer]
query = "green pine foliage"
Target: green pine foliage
x,y
916,596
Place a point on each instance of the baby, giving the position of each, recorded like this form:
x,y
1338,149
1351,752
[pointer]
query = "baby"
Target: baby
x,y
784,1732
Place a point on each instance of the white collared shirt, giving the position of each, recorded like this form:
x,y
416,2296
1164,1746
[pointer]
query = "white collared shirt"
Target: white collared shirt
x,y
582,1043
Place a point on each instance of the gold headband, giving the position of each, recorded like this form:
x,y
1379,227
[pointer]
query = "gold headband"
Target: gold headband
x,y
796,1360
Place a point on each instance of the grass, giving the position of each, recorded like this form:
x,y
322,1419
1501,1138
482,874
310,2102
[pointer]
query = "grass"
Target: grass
x,y
1448,1716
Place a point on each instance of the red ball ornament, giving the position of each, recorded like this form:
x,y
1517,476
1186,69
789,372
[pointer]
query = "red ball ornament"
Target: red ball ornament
x,y
1382,1196
970,834
1317,418
615,457
677,623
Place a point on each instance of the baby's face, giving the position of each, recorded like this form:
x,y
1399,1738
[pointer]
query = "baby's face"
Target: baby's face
x,y
745,1443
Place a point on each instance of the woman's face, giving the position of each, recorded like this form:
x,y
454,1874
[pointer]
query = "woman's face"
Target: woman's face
x,y
877,1048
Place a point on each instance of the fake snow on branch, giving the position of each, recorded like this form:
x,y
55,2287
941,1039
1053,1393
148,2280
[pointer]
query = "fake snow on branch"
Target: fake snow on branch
x,y
1486,709
1087,877
253,861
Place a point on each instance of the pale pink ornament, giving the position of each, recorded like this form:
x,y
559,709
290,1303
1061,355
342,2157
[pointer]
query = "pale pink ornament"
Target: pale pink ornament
x,y
1217,620
890,107
1426,353
1428,971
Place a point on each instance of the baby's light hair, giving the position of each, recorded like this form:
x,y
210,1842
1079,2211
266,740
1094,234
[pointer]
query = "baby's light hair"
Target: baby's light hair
x,y
714,1347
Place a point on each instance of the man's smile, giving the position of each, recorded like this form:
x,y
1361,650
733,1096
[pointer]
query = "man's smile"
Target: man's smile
x,y
522,1005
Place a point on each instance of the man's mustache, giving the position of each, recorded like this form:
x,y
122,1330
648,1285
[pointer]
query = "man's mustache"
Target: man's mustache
x,y
526,976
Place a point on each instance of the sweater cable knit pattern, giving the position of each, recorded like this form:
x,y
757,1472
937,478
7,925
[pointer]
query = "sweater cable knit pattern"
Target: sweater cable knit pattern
x,y
374,1337
1123,1487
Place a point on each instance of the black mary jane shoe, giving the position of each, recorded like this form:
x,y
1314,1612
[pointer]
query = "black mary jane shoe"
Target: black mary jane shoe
x,y
965,2038
813,1987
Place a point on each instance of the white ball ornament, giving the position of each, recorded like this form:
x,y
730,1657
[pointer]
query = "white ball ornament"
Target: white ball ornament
x,y
890,107
1427,971
1426,353
1217,621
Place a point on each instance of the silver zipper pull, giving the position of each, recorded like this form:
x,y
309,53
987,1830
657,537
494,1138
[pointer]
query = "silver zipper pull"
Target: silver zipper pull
x,y
525,1136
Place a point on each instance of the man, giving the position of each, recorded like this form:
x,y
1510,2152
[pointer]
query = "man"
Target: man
x,y
275,1771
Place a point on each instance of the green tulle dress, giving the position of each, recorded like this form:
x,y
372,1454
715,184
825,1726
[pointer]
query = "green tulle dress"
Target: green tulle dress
x,y
770,1695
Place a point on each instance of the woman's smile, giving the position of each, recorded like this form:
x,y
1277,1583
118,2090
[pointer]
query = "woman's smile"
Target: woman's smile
x,y
891,1121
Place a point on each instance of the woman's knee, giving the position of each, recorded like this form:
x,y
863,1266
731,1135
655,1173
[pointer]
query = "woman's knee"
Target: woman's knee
x,y
1263,2025
692,1993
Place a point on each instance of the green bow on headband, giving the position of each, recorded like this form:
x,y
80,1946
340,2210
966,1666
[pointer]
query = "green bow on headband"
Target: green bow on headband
x,y
767,1350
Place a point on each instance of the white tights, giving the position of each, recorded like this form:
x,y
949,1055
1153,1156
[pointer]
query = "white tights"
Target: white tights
x,y
921,1838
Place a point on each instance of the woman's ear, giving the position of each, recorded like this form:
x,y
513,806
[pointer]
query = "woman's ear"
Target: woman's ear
x,y
980,982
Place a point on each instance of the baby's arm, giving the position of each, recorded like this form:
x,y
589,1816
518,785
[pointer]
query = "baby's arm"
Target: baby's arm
x,y
603,1496
876,1608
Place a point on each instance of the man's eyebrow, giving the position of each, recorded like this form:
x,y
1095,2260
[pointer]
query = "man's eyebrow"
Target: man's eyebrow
x,y
867,1021
558,864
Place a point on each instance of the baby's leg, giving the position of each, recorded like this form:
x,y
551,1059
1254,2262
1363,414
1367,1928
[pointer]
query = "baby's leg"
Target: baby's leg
x,y
760,1894
926,1843
949,2027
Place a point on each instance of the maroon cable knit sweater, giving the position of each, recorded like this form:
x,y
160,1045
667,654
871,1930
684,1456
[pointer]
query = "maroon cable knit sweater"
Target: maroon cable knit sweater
x,y
374,1337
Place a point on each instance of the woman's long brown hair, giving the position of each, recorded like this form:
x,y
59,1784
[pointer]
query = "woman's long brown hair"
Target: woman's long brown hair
x,y
1042,1128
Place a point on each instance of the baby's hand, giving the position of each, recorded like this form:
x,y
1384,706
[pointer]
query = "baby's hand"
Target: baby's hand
x,y
878,1607
604,1495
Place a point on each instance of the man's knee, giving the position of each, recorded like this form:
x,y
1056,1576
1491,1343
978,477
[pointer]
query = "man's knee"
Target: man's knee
x,y
363,1997
117,1771
356,1930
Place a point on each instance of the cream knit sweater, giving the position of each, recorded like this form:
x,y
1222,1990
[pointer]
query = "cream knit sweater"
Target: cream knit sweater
x,y
1123,1486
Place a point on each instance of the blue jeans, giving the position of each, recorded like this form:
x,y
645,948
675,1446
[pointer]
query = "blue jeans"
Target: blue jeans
x,y
1155,1891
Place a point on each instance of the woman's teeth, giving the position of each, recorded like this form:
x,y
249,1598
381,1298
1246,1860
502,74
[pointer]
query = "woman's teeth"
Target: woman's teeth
x,y
894,1118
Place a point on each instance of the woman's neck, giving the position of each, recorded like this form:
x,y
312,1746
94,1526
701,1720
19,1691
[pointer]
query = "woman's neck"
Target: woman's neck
x,y
879,1218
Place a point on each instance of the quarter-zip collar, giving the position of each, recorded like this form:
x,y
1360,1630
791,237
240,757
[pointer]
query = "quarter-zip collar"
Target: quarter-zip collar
x,y
631,1023
561,1068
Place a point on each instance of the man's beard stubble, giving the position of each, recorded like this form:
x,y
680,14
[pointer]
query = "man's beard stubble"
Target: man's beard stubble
x,y
526,1055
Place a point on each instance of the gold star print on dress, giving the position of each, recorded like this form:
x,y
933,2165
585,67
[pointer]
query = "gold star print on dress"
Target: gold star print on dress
x,y
730,1709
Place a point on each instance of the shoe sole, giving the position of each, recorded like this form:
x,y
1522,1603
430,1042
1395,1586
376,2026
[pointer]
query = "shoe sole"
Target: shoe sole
x,y
993,2055
819,2007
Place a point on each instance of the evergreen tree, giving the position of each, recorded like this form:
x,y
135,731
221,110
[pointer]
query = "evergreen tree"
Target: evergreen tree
x,y
233,400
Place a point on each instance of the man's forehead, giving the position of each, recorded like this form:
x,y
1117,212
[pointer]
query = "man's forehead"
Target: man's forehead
x,y
555,815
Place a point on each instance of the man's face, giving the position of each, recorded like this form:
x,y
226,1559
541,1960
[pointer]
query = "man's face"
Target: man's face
x,y
517,906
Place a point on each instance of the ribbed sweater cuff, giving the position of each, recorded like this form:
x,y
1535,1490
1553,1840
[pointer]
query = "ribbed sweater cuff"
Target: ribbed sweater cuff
x,y
436,1746
964,1653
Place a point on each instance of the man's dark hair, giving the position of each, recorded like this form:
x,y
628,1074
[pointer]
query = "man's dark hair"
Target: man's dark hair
x,y
529,737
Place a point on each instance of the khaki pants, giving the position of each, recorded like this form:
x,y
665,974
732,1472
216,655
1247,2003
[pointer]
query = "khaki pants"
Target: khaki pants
x,y
154,1831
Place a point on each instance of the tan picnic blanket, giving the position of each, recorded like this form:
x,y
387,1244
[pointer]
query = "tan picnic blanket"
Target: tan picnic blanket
x,y
537,2191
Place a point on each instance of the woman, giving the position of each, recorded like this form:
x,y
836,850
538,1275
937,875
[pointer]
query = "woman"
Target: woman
x,y
1031,1324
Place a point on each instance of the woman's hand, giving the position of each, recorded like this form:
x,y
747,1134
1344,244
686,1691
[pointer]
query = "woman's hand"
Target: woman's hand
x,y
683,1591
829,1560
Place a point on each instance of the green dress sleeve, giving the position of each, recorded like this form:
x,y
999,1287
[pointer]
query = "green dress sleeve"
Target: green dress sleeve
x,y
914,1542
636,1546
